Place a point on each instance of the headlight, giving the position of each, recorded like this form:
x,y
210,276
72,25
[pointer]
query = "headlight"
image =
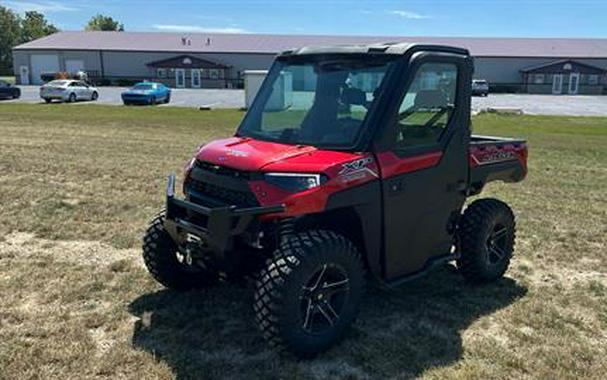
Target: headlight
x,y
294,182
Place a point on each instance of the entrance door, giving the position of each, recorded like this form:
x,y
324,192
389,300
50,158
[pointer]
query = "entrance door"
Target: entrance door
x,y
24,75
426,171
195,78
180,78
557,84
574,83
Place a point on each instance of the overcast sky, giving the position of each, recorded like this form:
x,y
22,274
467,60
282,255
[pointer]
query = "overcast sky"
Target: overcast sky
x,y
507,18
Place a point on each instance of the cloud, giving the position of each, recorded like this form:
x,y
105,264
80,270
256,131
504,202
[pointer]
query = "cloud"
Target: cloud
x,y
39,6
409,15
198,29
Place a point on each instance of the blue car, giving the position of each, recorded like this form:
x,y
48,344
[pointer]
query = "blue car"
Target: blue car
x,y
147,93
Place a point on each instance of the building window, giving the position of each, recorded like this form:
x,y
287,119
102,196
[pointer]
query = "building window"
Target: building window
x,y
593,79
161,73
538,79
214,74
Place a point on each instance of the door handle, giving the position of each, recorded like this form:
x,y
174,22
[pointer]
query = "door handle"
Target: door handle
x,y
396,186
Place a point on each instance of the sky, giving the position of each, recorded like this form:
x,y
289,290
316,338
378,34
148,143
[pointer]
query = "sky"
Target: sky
x,y
479,18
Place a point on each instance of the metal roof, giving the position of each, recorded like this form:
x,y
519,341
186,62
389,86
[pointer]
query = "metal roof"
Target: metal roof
x,y
272,44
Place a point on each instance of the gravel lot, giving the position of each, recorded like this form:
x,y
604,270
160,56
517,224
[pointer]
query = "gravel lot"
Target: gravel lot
x,y
182,97
580,105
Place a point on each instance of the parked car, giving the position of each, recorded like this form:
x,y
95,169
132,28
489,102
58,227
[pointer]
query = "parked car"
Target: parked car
x,y
147,93
68,90
8,91
480,87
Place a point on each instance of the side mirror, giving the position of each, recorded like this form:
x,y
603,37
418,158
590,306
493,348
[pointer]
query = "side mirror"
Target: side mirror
x,y
354,96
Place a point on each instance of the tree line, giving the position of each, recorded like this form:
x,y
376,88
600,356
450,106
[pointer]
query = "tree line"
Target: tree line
x,y
16,29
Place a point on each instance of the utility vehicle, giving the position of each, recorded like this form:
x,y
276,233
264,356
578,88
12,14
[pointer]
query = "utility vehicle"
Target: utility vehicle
x,y
352,163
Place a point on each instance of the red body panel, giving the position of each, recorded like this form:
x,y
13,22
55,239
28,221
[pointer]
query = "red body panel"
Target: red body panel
x,y
392,165
493,153
264,156
343,170
249,154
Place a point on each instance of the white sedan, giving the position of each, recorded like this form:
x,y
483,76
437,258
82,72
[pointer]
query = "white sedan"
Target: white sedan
x,y
67,90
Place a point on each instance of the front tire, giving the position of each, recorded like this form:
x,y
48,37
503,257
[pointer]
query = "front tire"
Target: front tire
x,y
486,238
72,98
309,292
160,254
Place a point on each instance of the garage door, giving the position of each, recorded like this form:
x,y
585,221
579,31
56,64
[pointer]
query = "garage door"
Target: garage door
x,y
72,66
43,63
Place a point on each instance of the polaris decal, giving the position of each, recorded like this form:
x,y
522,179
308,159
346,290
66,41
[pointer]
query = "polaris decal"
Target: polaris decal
x,y
493,157
357,169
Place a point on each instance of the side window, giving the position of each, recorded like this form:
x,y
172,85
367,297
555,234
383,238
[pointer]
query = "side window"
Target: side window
x,y
427,106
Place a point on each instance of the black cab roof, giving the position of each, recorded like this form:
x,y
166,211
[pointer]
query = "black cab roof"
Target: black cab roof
x,y
392,48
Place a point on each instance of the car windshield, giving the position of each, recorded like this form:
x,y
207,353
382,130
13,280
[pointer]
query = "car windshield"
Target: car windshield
x,y
319,101
58,83
143,86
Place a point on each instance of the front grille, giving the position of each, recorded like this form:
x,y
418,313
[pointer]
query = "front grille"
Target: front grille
x,y
222,170
211,187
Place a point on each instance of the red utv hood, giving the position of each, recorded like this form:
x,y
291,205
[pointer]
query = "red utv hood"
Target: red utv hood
x,y
252,155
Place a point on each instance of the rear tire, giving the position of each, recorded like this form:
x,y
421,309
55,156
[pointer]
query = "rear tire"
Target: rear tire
x,y
153,101
309,293
94,96
486,234
47,100
167,99
160,257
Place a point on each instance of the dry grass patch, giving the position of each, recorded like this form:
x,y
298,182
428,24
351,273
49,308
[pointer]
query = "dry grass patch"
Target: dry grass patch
x,y
78,184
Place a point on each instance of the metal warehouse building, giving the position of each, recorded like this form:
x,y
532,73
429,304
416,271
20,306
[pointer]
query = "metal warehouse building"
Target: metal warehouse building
x,y
534,65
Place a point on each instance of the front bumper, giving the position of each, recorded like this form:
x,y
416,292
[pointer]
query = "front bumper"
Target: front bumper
x,y
215,226
136,99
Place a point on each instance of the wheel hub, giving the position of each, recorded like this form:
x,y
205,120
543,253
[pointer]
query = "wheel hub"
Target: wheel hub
x,y
323,298
496,244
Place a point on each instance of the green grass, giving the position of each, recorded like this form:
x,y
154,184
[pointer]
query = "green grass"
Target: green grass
x,y
78,184
9,79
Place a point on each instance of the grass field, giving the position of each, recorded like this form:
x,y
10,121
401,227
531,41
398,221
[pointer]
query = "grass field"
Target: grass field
x,y
9,79
78,184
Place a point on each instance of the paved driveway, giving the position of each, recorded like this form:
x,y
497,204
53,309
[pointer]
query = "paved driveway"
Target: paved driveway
x,y
180,97
579,105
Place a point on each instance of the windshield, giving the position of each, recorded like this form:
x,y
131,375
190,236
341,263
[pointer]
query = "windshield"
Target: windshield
x,y
143,87
321,102
58,83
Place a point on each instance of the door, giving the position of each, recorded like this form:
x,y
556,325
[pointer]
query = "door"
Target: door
x,y
24,75
425,171
574,83
557,84
76,89
180,78
196,78
73,66
41,64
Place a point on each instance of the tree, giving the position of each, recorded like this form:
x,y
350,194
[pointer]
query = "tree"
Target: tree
x,y
103,23
10,36
34,26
